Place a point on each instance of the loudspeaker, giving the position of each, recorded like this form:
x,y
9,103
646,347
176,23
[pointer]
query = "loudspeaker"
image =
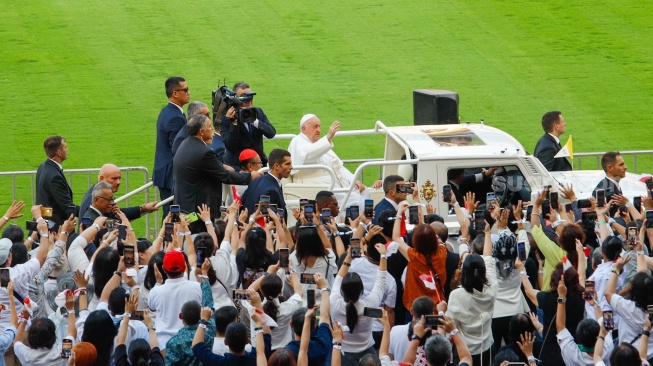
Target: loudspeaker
x,y
435,107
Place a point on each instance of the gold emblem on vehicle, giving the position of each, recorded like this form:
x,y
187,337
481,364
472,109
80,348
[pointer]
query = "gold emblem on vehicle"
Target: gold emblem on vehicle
x,y
428,191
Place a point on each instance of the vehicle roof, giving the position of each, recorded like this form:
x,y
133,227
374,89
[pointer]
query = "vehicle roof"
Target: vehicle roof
x,y
459,140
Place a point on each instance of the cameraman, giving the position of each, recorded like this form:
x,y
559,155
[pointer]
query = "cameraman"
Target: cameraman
x,y
240,135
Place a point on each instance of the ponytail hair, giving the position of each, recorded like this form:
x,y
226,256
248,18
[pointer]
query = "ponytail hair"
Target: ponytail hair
x,y
351,290
271,287
139,352
473,274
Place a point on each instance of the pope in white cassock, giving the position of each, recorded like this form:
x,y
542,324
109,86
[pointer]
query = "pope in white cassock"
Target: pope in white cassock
x,y
308,148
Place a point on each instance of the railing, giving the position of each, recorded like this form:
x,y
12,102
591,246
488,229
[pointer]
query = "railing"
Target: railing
x,y
627,155
19,191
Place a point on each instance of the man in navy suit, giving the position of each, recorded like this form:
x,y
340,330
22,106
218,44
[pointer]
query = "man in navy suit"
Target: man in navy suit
x,y
548,146
392,197
217,145
270,183
239,135
615,168
171,120
52,189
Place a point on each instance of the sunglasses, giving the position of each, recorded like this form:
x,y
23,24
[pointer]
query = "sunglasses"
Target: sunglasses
x,y
184,90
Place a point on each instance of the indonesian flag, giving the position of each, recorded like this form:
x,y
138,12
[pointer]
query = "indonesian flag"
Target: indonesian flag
x,y
265,319
235,193
403,225
391,247
566,150
428,281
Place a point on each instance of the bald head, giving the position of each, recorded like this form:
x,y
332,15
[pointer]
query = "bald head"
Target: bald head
x,y
441,230
111,174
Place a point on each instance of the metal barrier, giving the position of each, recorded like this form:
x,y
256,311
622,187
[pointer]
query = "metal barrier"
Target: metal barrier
x,y
625,154
71,175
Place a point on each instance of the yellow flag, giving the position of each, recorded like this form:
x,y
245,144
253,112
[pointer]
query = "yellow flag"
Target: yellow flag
x,y
567,150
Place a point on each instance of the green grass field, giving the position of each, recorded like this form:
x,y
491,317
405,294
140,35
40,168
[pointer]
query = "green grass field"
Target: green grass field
x,y
94,71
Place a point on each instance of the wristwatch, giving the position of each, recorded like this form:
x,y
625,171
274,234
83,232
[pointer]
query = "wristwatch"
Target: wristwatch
x,y
562,300
415,336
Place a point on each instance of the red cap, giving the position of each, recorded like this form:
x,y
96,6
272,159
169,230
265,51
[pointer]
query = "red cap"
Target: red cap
x,y
174,261
247,154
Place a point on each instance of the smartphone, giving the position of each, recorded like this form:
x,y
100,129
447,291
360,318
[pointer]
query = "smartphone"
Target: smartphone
x,y
584,204
490,201
547,190
122,232
169,231
432,321
529,211
588,216
546,208
588,294
273,207
632,236
479,220
521,251
281,212
404,188
568,207
138,315
46,211
174,213
110,224
608,320
71,210
32,225
240,295
649,184
310,298
313,203
446,193
307,278
224,209
600,198
348,215
264,203
649,309
554,200
355,212
86,221
413,215
309,210
637,203
4,277
369,208
284,254
326,216
66,348
373,312
355,247
201,255
649,219
191,217
303,202
129,255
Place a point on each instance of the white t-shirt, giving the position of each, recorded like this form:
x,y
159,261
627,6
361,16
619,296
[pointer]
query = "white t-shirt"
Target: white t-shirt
x,y
281,335
167,300
226,271
632,321
399,341
327,267
219,348
572,355
21,275
40,356
367,272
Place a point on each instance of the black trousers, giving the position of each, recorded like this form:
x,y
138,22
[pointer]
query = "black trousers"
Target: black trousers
x,y
500,331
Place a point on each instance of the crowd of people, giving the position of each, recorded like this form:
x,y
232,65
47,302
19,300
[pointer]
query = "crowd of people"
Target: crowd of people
x,y
236,285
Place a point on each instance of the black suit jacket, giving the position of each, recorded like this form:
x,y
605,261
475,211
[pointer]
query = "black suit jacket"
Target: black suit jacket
x,y
265,185
198,176
451,266
170,121
546,149
237,138
132,213
380,207
610,188
52,190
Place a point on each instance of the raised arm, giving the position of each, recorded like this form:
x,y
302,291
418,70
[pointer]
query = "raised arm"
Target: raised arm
x,y
582,263
536,215
325,292
598,346
396,231
302,356
531,293
611,287
13,212
205,216
561,316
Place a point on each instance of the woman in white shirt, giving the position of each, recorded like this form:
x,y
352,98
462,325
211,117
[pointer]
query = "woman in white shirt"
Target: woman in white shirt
x,y
472,305
281,312
313,254
41,337
347,308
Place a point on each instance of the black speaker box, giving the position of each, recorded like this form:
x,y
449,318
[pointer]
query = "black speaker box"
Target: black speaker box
x,y
435,107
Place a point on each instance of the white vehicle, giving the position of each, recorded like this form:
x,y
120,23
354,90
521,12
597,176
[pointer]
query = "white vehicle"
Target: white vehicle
x,y
426,154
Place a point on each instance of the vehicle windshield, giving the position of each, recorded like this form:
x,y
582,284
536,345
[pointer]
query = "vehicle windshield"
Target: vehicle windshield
x,y
453,136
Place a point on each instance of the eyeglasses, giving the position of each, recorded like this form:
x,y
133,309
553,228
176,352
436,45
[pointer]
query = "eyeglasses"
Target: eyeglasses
x,y
184,90
257,163
109,199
